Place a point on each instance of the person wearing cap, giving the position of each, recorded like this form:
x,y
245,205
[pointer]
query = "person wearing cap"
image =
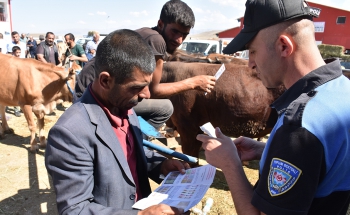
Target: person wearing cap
x,y
305,163
176,20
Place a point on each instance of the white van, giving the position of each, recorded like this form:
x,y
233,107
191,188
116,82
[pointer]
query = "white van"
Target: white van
x,y
204,47
243,54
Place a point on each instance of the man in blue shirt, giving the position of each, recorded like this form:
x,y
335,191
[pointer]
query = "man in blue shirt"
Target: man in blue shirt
x,y
32,45
91,46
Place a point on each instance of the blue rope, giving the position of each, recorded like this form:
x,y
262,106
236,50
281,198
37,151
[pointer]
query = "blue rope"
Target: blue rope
x,y
69,88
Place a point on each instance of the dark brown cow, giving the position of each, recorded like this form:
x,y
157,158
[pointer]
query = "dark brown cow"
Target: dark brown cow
x,y
239,103
215,58
35,87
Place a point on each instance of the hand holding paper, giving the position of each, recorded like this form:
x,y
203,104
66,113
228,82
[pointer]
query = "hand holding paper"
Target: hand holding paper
x,y
182,191
219,73
208,129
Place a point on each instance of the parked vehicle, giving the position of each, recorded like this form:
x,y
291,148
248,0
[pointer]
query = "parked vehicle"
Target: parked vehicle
x,y
59,41
82,41
243,54
204,47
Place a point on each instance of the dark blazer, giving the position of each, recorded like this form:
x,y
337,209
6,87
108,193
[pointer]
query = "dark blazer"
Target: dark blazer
x,y
85,77
89,170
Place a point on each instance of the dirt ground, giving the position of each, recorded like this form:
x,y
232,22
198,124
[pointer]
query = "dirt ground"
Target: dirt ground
x,y
26,188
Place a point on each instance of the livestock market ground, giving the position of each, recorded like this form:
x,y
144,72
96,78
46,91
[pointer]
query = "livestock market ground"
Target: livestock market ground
x,y
26,188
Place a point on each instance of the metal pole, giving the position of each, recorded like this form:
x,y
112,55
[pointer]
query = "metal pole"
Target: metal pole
x,y
170,152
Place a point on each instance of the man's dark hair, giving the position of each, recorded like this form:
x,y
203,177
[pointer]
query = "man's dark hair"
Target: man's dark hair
x,y
15,48
121,52
14,33
71,36
47,34
176,11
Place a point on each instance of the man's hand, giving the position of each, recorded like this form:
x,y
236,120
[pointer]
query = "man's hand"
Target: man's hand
x,y
160,209
220,152
249,149
203,82
73,57
170,165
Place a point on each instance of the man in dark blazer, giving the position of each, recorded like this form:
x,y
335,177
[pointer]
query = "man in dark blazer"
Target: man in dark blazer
x,y
95,154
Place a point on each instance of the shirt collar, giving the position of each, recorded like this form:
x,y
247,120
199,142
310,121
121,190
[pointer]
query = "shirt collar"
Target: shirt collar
x,y
116,120
307,83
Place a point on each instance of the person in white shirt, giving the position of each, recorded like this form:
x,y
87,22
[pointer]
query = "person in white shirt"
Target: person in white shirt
x,y
91,46
23,47
16,42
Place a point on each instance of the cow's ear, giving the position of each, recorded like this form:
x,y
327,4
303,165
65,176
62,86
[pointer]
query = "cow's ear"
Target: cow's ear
x,y
71,73
75,67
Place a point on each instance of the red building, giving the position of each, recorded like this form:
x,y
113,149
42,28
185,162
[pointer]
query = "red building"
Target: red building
x,y
331,27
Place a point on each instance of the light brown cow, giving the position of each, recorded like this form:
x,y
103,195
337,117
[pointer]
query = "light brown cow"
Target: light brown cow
x,y
238,104
35,87
61,50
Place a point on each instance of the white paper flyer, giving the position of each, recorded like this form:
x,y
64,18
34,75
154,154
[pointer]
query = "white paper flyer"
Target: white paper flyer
x,y
181,191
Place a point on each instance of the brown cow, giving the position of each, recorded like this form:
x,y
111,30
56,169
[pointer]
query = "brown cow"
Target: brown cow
x,y
183,56
35,87
239,103
61,50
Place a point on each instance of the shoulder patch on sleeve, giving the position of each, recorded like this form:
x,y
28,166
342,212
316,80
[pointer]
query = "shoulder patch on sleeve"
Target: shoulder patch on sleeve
x,y
282,176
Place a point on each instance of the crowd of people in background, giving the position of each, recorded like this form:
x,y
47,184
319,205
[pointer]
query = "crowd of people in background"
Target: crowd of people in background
x,y
47,51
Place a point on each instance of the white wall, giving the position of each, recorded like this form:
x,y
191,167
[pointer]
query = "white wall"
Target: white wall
x,y
5,27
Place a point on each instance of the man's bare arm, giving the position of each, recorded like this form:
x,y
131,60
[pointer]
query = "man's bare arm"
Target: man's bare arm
x,y
163,90
83,58
41,58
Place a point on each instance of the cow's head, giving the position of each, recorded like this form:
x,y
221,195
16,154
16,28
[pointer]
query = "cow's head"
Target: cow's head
x,y
68,90
61,49
73,67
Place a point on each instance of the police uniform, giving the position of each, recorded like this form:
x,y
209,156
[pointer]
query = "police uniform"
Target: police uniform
x,y
305,167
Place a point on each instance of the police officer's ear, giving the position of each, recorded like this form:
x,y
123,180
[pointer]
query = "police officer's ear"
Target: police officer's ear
x,y
286,45
160,25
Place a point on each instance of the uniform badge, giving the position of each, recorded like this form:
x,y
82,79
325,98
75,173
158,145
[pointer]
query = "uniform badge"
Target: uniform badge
x,y
282,177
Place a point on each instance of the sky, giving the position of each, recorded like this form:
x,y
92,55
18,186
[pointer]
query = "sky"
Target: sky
x,y
80,16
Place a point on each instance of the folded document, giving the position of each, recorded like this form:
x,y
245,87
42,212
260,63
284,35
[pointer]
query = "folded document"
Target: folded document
x,y
181,191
